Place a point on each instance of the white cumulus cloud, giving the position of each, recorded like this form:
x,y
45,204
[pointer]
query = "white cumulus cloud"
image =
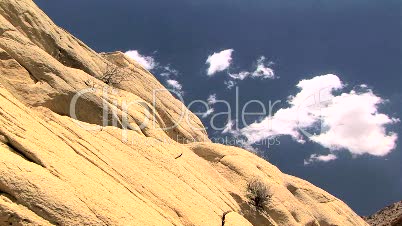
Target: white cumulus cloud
x,y
147,62
302,113
352,122
349,121
219,61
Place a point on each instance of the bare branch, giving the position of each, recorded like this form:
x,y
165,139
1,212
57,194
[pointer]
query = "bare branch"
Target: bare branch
x,y
113,75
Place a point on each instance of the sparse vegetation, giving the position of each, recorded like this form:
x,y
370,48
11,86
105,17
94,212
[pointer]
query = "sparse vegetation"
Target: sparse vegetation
x,y
257,193
113,75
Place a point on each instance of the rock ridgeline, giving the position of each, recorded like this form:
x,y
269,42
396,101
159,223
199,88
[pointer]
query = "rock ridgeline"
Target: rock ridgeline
x,y
388,216
56,171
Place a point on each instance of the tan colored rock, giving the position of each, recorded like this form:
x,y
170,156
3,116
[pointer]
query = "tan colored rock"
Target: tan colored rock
x,y
46,66
293,202
53,171
11,213
235,219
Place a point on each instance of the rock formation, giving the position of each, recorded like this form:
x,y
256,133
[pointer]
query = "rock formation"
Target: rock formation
x,y
388,216
61,165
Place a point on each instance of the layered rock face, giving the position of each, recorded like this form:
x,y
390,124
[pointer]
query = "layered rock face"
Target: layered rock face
x,y
78,164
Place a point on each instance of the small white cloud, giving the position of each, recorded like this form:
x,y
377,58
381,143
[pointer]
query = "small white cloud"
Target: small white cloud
x,y
175,85
211,99
147,62
219,61
320,158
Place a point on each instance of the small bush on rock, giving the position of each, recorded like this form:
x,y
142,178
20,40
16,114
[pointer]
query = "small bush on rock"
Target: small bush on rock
x,y
113,75
257,194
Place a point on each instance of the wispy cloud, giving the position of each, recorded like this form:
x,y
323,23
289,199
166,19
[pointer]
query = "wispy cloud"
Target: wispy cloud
x,y
211,99
241,75
230,84
208,113
262,70
229,128
175,85
168,71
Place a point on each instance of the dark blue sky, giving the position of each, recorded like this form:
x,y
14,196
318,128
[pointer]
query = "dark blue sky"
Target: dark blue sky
x,y
358,40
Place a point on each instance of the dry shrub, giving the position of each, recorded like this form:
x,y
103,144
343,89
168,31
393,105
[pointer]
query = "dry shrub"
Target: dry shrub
x,y
257,193
113,75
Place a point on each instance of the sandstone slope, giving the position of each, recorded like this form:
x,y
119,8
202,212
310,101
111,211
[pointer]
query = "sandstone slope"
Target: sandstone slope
x,y
54,171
